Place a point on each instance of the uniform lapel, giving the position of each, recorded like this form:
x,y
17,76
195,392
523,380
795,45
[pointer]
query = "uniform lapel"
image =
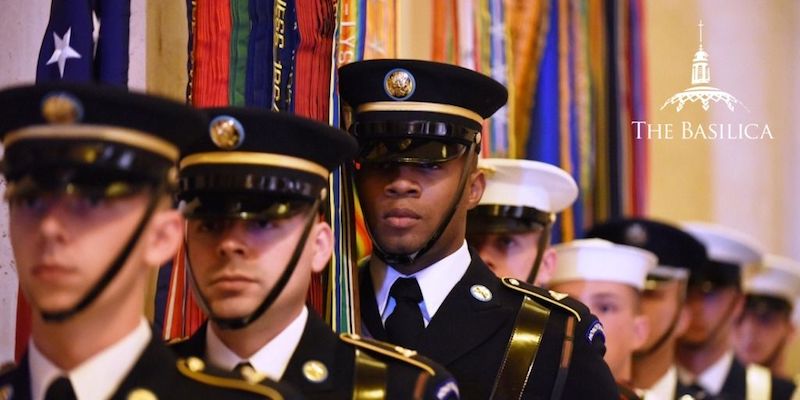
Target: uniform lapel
x,y
735,383
371,323
318,343
154,370
464,321
17,382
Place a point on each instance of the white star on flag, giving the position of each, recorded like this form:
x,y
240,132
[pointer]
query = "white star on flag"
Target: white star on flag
x,y
62,51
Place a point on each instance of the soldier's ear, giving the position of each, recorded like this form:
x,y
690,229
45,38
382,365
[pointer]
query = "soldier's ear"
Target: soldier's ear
x,y
641,329
163,237
321,239
547,268
475,186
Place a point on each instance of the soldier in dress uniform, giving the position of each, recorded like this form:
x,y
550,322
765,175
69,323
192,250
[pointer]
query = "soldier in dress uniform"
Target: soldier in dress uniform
x,y
510,228
253,190
418,125
765,327
663,299
715,300
609,278
90,171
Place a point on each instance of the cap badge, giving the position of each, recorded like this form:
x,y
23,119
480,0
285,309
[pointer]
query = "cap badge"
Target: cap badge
x,y
636,235
399,84
315,371
226,132
141,394
61,108
481,293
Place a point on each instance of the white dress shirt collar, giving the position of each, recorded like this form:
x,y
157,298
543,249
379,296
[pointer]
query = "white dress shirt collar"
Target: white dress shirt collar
x,y
664,388
270,360
713,378
99,376
435,282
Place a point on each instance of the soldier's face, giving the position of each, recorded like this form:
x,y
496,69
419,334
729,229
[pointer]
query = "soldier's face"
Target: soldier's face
x,y
712,312
405,203
236,263
663,305
511,254
64,244
760,336
615,305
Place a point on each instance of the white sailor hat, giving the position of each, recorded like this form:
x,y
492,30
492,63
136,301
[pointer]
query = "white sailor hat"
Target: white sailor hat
x,y
529,192
778,277
732,255
601,260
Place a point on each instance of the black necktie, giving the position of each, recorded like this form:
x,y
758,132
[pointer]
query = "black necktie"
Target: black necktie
x,y
60,389
699,393
405,324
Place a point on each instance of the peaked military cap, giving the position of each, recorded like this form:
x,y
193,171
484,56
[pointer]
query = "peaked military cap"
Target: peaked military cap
x,y
678,252
520,196
416,111
90,137
731,256
775,287
258,164
601,260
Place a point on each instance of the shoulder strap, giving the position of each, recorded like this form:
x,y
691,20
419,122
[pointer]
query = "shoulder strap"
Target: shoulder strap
x,y
532,291
193,368
370,378
522,348
759,383
399,353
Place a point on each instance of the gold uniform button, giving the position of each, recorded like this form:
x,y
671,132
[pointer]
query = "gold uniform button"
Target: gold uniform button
x,y
513,282
6,392
195,364
141,394
315,371
481,293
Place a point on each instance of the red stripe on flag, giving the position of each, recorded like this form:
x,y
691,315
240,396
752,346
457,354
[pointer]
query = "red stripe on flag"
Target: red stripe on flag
x,y
211,53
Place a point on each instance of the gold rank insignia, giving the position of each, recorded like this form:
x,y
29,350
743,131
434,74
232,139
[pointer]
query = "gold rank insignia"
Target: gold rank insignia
x,y
315,371
226,132
399,84
61,108
141,394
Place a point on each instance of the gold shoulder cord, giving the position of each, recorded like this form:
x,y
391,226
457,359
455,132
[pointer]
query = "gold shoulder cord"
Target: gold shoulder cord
x,y
759,383
228,383
370,378
525,341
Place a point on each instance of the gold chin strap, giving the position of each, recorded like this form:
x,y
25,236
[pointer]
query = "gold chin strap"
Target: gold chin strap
x,y
516,367
759,383
370,378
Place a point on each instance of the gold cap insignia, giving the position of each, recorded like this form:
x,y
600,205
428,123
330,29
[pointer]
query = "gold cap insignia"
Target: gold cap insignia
x,y
141,394
636,235
61,108
6,392
315,371
481,293
399,84
226,132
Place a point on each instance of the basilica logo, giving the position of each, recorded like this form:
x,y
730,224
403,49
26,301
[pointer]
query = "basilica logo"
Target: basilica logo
x,y
704,94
